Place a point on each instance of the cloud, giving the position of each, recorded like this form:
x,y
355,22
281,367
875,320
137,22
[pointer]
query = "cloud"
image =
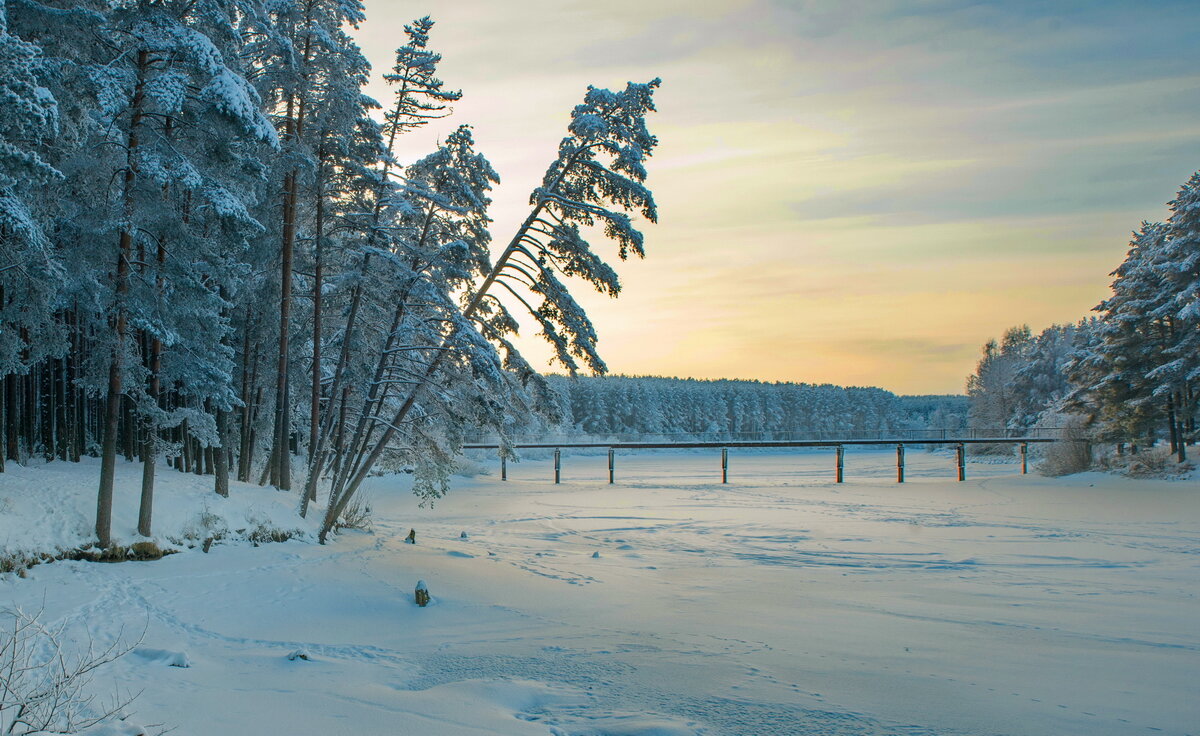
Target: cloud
x,y
849,192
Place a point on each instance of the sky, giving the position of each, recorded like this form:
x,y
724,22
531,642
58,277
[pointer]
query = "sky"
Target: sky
x,y
857,193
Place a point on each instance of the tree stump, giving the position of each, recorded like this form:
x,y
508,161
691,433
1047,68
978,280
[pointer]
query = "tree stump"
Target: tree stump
x,y
422,594
412,536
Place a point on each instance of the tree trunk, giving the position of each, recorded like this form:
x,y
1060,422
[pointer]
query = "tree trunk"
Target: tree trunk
x,y
314,421
281,475
1177,430
249,404
149,446
63,433
108,449
271,463
50,415
221,455
28,409
11,418
78,438
112,407
199,459
1189,424
1172,427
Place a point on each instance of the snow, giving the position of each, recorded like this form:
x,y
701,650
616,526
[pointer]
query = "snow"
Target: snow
x,y
164,657
666,604
52,508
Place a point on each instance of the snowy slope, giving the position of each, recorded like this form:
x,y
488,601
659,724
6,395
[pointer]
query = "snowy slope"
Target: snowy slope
x,y
52,507
670,604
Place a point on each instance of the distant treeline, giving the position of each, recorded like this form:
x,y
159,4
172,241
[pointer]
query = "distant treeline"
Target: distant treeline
x,y
731,409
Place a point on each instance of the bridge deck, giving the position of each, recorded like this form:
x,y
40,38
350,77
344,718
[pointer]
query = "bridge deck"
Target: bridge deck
x,y
765,443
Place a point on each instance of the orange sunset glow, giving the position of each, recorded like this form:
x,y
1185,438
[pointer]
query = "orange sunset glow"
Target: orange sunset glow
x,y
849,193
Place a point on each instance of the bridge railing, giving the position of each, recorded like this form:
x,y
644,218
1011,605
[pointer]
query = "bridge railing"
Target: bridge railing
x,y
788,435
839,446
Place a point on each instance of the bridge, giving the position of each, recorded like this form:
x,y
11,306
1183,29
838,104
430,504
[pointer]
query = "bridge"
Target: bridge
x,y
839,446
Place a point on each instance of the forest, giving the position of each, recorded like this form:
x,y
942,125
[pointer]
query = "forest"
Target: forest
x,y
642,406
1128,375
212,260
211,257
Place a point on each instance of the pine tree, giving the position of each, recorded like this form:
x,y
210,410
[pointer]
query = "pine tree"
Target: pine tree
x,y
595,180
160,126
1115,370
30,270
1179,376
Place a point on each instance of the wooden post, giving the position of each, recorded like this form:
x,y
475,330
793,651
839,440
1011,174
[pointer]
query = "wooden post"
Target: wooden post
x,y
724,464
557,464
841,452
1024,458
899,463
611,465
504,467
961,453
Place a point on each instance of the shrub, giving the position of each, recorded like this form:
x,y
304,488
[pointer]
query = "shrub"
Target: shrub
x,y
43,684
356,515
1073,454
1157,462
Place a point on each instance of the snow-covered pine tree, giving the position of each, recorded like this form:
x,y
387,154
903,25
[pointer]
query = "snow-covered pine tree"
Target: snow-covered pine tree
x,y
595,180
1040,382
347,144
378,201
1114,368
30,271
1179,376
439,243
159,131
297,73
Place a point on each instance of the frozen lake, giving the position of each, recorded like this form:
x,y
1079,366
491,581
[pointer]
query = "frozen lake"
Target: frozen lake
x,y
671,604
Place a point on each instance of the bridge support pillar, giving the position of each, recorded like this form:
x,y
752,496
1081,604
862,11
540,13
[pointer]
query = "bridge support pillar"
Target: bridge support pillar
x,y
961,456
611,465
503,467
557,464
899,463
724,464
1024,458
841,453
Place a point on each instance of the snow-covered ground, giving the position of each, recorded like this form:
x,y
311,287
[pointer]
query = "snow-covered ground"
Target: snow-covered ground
x,y
666,604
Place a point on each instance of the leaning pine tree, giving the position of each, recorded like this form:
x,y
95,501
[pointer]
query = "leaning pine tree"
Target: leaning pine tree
x,y
594,183
377,209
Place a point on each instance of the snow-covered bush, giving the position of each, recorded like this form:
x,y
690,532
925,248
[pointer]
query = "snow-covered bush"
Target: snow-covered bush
x,y
1073,454
466,467
1155,462
356,515
206,525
